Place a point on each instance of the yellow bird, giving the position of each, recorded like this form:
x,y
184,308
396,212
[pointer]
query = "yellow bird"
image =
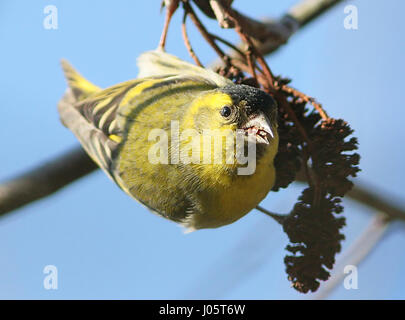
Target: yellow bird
x,y
187,143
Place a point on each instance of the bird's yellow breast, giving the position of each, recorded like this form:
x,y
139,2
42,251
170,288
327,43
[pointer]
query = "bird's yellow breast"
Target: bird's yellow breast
x,y
228,198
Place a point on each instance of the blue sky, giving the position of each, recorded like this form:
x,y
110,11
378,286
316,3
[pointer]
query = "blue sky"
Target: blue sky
x,y
107,246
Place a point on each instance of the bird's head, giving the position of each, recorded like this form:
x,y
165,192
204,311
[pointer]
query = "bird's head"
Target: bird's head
x,y
236,108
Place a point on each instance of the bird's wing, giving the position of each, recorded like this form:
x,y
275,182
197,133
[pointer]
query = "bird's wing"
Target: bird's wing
x,y
90,113
97,117
158,62
91,120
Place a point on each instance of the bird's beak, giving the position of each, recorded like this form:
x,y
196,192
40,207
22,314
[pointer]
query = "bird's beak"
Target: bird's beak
x,y
259,126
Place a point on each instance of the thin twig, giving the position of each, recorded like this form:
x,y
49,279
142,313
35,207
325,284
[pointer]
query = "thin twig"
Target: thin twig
x,y
252,49
187,41
171,8
203,31
251,63
307,99
280,218
230,45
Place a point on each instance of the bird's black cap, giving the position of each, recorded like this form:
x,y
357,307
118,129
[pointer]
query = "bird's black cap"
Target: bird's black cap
x,y
255,98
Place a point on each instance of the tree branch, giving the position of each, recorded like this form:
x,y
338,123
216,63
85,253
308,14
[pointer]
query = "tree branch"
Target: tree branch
x,y
271,34
45,179
371,199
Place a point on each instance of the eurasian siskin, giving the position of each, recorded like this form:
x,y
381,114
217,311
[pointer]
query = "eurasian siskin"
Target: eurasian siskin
x,y
170,139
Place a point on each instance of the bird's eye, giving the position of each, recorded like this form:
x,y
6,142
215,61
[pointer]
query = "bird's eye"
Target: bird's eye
x,y
226,111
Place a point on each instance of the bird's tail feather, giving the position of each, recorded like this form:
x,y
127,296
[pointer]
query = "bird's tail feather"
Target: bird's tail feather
x,y
81,88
